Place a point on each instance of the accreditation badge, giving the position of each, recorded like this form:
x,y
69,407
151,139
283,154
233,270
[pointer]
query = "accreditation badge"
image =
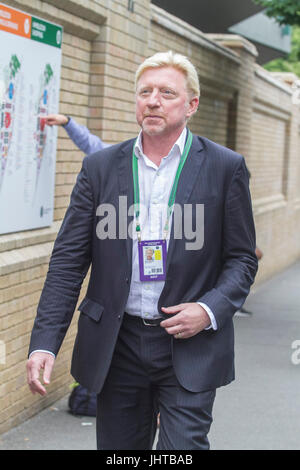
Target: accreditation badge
x,y
152,260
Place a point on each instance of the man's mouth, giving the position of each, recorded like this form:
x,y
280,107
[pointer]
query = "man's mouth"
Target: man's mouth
x,y
153,116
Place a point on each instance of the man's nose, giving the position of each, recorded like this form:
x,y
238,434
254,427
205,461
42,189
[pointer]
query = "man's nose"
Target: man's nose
x,y
154,99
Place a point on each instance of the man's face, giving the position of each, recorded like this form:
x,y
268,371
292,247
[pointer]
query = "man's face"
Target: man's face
x,y
162,101
149,254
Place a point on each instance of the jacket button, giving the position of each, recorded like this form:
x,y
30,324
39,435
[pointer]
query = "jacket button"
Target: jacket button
x,y
127,280
119,317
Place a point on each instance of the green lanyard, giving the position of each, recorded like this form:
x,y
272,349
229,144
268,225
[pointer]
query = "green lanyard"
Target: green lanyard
x,y
136,190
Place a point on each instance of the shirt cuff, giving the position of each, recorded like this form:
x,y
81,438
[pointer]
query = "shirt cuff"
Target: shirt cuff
x,y
42,350
69,119
213,324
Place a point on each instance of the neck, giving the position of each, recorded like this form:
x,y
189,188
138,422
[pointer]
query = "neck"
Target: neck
x,y
156,147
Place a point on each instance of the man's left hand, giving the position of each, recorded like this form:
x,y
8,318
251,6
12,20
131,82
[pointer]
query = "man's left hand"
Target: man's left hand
x,y
188,320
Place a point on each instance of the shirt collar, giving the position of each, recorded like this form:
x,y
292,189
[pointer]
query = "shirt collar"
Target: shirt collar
x,y
179,144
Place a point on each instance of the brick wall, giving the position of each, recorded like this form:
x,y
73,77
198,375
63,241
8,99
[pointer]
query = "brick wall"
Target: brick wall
x,y
241,106
274,165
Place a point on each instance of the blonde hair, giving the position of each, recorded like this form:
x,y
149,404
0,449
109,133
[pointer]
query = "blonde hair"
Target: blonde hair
x,y
179,62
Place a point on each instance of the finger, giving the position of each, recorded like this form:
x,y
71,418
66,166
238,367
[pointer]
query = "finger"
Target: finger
x,y
172,309
48,370
50,122
33,380
174,320
174,330
36,387
180,335
170,322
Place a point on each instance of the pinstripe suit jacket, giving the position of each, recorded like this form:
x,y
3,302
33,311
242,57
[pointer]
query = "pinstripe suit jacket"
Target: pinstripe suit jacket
x,y
219,274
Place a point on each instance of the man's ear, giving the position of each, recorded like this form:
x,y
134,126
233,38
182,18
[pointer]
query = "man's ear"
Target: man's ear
x,y
192,106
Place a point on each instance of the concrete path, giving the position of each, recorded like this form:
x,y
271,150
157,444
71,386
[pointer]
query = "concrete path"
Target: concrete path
x,y
260,410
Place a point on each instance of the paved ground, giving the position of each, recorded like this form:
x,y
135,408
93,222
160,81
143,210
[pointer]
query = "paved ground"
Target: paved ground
x,y
260,410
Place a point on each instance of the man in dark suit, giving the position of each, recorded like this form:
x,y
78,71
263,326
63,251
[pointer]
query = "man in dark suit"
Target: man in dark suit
x,y
152,337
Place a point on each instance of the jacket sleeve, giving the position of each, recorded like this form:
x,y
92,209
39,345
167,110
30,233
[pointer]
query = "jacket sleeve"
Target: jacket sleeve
x,y
239,261
83,139
69,263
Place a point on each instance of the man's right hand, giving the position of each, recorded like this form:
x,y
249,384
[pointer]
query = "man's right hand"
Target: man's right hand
x,y
55,119
36,362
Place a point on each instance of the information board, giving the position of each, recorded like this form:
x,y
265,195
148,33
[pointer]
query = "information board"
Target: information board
x,y
30,63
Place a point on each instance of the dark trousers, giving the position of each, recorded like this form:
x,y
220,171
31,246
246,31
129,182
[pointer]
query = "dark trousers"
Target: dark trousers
x,y
141,383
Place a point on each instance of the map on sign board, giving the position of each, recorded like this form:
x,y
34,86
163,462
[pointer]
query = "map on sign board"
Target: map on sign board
x,y
30,63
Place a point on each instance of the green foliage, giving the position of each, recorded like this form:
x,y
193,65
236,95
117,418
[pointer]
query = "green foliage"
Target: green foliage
x,y
284,11
292,62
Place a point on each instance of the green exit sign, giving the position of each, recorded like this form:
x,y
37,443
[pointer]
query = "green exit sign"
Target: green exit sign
x,y
45,32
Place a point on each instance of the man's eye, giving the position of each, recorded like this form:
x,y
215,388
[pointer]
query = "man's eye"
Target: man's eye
x,y
168,92
144,92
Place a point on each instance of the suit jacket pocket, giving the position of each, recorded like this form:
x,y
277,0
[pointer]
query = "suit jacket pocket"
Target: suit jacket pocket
x,y
91,308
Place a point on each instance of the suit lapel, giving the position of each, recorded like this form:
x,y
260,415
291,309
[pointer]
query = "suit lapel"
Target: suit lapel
x,y
126,189
188,178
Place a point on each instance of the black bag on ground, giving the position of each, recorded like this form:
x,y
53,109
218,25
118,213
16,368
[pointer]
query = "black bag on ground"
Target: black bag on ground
x,y
82,402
